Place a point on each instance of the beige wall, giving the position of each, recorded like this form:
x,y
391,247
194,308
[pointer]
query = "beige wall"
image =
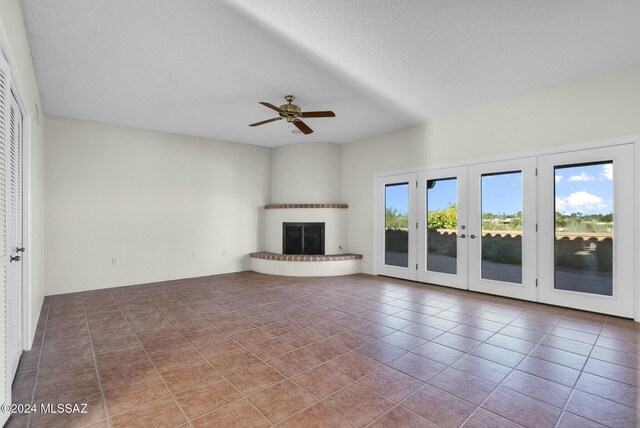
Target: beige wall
x,y
151,200
591,109
307,173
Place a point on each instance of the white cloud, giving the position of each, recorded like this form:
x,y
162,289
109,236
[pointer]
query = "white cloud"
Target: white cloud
x,y
582,201
559,178
583,176
607,172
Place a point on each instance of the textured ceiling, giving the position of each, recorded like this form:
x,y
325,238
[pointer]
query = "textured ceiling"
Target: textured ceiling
x,y
199,67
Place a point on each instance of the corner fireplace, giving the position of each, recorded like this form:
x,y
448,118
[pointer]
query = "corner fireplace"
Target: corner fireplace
x,y
303,238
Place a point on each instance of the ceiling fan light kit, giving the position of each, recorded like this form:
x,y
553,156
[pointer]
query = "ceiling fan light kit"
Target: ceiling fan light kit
x,y
293,114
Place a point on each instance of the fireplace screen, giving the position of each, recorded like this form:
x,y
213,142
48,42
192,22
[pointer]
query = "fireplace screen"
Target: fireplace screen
x,y
303,238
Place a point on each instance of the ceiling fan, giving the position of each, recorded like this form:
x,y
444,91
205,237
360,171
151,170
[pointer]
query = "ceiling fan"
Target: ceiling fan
x,y
292,114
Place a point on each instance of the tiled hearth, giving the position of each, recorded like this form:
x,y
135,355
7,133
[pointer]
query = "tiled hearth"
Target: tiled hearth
x,y
262,350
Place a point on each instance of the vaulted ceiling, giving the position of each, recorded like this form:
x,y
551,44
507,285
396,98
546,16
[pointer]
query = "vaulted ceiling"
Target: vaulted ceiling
x,y
199,67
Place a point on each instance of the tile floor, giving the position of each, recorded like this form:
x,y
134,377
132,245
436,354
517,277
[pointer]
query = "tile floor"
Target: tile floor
x,y
254,350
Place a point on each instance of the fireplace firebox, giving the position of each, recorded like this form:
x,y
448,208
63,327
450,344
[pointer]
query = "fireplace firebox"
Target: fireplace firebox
x,y
303,238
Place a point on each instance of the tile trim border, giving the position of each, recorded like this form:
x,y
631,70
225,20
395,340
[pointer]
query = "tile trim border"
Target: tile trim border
x,y
285,206
265,255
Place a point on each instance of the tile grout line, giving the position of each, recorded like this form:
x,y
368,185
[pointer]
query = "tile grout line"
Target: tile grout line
x,y
287,378
499,384
154,367
95,363
573,390
320,401
221,374
446,366
512,371
35,381
396,404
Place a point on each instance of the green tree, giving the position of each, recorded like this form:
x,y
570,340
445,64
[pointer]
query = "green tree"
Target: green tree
x,y
394,219
443,219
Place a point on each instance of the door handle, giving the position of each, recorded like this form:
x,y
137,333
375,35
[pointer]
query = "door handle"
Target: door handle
x,y
472,236
462,236
20,250
15,258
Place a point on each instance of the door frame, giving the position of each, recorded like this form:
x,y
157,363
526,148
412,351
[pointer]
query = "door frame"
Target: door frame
x,y
28,331
608,142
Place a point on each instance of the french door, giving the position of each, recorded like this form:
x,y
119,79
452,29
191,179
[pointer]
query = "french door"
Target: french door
x,y
476,225
442,227
555,228
586,230
397,242
473,227
502,228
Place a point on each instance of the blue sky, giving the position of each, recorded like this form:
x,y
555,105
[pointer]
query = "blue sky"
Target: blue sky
x,y
502,193
397,197
442,194
586,189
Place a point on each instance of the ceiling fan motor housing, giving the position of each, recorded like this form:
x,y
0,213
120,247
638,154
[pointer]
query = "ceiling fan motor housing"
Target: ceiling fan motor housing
x,y
290,110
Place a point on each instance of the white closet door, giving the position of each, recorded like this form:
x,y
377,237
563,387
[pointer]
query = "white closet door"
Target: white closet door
x,y
8,339
14,235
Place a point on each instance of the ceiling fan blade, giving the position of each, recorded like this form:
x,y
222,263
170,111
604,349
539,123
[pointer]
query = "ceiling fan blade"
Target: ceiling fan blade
x,y
303,127
319,114
271,106
266,121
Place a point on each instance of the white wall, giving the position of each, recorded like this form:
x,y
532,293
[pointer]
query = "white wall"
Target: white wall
x,y
600,107
150,200
307,173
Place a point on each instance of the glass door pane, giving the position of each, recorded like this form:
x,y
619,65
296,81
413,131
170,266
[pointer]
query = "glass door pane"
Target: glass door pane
x,y
584,213
396,225
501,228
442,225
